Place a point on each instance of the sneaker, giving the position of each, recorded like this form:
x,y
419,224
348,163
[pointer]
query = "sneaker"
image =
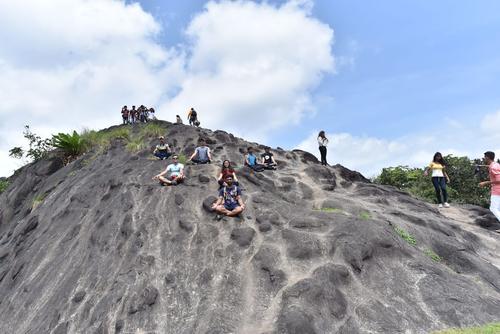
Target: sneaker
x,y
440,206
446,205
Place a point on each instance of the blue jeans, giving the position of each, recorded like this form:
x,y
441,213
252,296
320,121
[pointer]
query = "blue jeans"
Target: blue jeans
x,y
162,155
439,183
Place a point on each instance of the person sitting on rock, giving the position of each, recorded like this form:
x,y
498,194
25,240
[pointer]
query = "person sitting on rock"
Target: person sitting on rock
x,y
268,159
226,170
152,113
178,119
176,170
202,154
162,150
251,161
229,202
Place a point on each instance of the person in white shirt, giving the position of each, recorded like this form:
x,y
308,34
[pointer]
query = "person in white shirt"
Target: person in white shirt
x,y
322,142
176,170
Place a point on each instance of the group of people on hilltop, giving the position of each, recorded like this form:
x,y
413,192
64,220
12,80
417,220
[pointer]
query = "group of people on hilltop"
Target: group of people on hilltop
x,y
139,115
229,202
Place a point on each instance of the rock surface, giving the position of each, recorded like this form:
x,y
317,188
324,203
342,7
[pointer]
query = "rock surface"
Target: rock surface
x,y
318,250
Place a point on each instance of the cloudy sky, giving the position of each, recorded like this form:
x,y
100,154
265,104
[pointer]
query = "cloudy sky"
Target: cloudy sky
x,y
390,82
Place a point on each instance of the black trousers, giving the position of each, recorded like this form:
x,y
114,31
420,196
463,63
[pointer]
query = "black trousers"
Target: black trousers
x,y
322,151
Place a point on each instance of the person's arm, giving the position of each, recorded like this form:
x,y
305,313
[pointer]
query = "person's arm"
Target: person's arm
x,y
426,171
274,161
234,177
247,162
161,174
262,160
181,172
220,176
217,202
194,154
487,183
446,175
240,202
156,150
209,154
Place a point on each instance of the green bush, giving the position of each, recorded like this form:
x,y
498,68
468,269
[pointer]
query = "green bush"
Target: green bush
x,y
462,188
3,185
38,147
405,235
71,144
493,328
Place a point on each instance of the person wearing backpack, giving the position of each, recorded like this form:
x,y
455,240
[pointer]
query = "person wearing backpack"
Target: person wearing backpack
x,y
229,202
192,117
202,154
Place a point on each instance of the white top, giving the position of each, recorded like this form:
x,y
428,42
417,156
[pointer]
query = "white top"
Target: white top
x,y
175,169
322,141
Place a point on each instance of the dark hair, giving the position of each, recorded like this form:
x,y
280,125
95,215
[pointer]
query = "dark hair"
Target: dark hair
x,y
250,148
176,115
201,140
321,134
490,155
438,157
228,167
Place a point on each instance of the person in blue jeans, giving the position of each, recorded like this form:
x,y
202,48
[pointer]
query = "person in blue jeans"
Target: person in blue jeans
x,y
229,202
439,177
202,154
162,150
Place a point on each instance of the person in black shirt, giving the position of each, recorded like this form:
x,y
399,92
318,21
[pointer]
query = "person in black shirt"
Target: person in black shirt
x,y
268,159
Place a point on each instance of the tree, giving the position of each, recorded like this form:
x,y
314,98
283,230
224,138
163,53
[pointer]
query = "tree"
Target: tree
x,y
38,146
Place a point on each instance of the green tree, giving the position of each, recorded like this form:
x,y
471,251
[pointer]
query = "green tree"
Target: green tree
x,y
38,146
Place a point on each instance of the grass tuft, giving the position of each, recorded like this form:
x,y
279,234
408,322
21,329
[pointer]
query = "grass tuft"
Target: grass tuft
x,y
430,253
332,210
182,158
493,328
152,129
37,200
405,235
135,144
365,215
3,185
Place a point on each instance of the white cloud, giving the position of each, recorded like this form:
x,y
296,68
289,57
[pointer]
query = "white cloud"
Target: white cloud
x,y
252,66
370,154
67,64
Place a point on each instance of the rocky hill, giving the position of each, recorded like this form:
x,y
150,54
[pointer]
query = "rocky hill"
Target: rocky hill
x,y
96,246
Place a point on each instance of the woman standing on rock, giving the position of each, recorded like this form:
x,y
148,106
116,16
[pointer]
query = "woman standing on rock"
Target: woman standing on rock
x,y
437,166
322,142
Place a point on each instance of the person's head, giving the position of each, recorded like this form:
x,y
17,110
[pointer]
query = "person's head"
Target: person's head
x,y
124,107
177,116
226,164
321,134
133,107
229,180
438,158
489,157
175,158
201,142
267,149
162,139
192,109
250,150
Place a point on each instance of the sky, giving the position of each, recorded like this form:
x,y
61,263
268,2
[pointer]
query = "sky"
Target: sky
x,y
390,82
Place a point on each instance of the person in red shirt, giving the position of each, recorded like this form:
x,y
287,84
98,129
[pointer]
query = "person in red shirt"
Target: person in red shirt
x,y
494,182
226,170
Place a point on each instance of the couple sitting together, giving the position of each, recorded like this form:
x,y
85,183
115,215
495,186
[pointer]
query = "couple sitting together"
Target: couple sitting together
x,y
267,160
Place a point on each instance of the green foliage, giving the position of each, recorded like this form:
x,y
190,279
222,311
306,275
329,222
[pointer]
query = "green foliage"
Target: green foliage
x,y
493,328
463,186
430,253
332,210
102,139
182,158
71,144
365,215
405,235
135,144
152,129
37,200
3,185
38,146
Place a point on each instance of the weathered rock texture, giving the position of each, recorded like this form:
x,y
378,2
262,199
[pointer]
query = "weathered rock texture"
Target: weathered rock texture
x,y
107,250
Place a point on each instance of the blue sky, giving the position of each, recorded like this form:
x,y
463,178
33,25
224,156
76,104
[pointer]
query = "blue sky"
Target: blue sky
x,y
393,82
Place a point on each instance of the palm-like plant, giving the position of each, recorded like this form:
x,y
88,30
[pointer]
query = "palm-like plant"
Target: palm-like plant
x,y
71,144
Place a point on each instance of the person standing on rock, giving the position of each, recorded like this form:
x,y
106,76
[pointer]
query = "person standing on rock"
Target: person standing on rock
x,y
439,178
229,202
176,170
125,115
322,142
132,115
494,182
202,154
192,116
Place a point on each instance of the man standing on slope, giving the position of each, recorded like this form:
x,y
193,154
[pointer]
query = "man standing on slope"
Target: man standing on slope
x,y
176,170
494,182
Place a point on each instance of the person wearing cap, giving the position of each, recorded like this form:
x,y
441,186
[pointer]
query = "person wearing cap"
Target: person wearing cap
x,y
162,150
229,202
176,170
